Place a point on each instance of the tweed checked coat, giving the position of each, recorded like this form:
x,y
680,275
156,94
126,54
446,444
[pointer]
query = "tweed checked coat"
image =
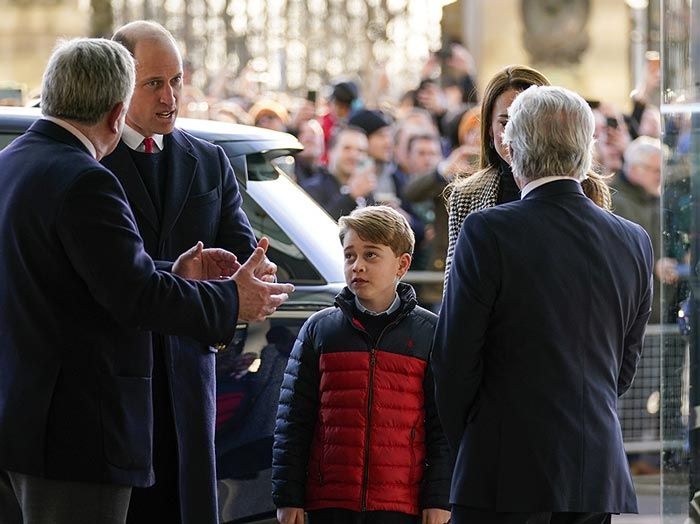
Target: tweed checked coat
x,y
474,193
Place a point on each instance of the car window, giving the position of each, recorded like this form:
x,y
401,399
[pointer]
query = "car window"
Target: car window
x,y
292,265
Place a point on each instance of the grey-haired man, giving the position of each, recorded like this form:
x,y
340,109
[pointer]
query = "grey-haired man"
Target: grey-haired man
x,y
77,290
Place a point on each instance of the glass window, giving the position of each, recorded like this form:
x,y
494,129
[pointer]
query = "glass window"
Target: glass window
x,y
677,264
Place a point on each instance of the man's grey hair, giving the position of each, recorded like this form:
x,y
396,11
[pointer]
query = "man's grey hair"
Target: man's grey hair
x,y
641,148
85,78
550,132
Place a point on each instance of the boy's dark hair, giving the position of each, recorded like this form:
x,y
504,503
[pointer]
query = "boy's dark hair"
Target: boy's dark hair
x,y
381,225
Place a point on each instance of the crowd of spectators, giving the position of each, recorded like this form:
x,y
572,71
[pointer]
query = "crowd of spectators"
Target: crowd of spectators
x,y
364,148
406,154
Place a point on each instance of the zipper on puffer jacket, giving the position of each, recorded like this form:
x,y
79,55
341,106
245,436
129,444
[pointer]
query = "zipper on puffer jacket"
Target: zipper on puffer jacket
x,y
413,456
370,397
323,452
365,472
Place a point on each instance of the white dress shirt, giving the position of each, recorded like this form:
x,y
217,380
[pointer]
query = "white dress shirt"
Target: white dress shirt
x,y
542,181
75,132
134,140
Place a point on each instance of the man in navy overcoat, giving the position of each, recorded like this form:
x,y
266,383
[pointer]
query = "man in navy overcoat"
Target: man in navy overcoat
x,y
78,297
182,191
540,331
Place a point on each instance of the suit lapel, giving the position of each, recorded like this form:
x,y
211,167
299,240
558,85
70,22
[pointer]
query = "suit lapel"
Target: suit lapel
x,y
182,166
121,164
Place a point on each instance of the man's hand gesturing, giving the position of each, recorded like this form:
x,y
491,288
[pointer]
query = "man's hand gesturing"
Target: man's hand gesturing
x,y
198,263
258,299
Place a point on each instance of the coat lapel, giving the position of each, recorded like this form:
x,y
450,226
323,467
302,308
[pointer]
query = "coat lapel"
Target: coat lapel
x,y
182,165
121,164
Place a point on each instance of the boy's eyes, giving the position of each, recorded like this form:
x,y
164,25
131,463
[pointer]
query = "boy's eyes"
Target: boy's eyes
x,y
369,254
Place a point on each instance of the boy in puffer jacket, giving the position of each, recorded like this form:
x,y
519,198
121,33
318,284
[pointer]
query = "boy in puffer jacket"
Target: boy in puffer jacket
x,y
358,437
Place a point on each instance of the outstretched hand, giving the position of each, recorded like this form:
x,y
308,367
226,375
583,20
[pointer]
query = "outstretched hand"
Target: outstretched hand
x,y
198,263
258,299
266,271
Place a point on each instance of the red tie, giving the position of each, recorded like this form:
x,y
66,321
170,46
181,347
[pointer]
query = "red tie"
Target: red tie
x,y
148,144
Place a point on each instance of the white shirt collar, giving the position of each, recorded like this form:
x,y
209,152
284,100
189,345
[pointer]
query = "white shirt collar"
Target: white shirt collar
x,y
393,307
134,139
542,181
75,132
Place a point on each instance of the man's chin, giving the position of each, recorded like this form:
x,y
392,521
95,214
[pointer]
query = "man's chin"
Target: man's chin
x,y
163,128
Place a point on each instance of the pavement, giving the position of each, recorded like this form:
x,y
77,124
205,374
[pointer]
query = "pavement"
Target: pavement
x,y
648,488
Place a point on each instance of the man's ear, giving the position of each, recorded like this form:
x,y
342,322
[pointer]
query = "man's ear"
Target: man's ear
x,y
114,116
404,265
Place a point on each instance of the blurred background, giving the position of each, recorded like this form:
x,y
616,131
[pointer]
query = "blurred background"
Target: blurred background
x,y
290,46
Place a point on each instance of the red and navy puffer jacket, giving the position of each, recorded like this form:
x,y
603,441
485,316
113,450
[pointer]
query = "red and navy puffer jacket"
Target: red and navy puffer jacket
x,y
357,426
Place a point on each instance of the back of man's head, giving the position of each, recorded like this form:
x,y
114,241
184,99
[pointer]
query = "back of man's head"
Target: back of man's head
x,y
550,133
85,79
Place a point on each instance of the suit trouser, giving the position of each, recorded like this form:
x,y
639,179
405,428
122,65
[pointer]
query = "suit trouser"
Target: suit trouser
x,y
25,499
466,515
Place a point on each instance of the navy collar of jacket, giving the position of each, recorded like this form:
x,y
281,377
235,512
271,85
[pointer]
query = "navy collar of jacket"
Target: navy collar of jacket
x,y
557,187
345,300
56,132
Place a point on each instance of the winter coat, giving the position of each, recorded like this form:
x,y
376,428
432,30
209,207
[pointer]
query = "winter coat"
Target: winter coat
x,y
356,425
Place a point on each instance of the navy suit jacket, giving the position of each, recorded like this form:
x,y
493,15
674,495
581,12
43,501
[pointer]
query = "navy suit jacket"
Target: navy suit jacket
x,y
540,331
78,295
201,202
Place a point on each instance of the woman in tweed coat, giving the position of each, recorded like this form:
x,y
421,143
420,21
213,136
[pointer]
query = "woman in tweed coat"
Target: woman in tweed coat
x,y
493,183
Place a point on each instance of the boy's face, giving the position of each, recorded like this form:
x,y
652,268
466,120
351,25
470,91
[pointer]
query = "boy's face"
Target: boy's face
x,y
372,271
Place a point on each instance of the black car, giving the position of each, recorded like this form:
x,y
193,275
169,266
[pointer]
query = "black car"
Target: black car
x,y
304,245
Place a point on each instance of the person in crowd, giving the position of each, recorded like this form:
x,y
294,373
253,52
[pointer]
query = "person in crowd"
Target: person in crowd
x,y
269,114
636,197
350,180
77,291
644,120
389,461
342,102
469,136
305,111
423,154
417,122
612,138
540,332
428,185
380,148
182,190
308,161
390,181
493,183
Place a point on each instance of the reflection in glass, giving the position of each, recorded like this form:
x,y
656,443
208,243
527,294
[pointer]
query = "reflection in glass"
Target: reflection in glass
x,y
680,346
